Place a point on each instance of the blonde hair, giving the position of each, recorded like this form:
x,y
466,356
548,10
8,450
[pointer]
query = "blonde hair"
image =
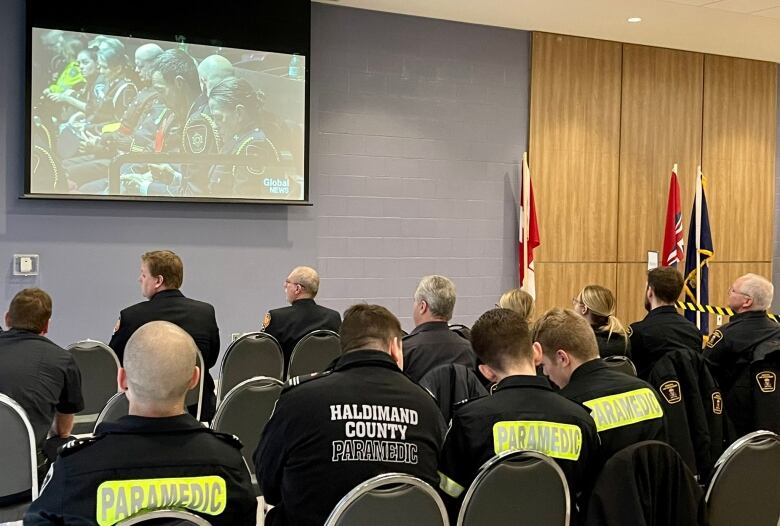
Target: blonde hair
x,y
564,329
601,303
519,301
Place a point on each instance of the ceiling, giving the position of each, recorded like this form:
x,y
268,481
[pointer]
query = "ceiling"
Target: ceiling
x,y
739,28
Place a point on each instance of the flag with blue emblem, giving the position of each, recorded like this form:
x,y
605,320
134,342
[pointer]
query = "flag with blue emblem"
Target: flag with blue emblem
x,y
700,250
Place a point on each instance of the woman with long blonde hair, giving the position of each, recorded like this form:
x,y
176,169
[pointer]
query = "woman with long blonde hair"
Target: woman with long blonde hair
x,y
597,305
519,301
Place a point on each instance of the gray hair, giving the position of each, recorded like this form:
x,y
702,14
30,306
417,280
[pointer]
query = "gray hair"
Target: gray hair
x,y
439,293
759,288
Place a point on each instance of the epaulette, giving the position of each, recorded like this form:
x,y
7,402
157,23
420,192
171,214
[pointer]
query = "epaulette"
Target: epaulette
x,y
302,379
78,444
230,438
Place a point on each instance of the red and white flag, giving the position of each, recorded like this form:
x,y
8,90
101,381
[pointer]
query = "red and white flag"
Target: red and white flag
x,y
529,231
673,232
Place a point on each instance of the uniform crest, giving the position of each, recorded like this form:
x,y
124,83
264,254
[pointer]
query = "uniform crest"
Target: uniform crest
x,y
116,325
714,338
767,381
266,320
196,138
671,391
717,403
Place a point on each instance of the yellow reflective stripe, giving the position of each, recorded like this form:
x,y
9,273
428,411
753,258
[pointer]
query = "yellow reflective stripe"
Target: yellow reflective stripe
x,y
111,127
449,486
624,409
119,499
551,438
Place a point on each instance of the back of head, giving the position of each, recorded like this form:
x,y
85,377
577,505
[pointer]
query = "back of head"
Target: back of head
x,y
601,303
368,327
500,338
167,264
307,278
519,301
439,293
159,361
30,310
564,329
666,282
759,289
148,52
174,63
214,69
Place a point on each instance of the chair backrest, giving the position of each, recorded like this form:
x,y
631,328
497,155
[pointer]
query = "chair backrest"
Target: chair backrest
x,y
18,456
253,354
746,483
461,330
621,363
314,352
516,484
98,365
195,395
165,518
116,407
245,410
388,500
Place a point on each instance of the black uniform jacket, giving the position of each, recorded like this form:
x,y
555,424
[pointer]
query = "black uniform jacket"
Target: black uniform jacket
x,y
523,412
332,430
140,463
626,409
195,317
614,344
432,344
289,324
735,355
662,329
41,377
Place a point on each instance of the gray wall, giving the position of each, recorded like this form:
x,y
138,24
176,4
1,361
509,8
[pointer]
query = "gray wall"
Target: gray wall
x,y
416,130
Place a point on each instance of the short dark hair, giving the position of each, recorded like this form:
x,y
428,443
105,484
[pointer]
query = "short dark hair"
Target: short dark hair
x,y
666,282
166,264
500,337
367,324
566,330
30,309
177,63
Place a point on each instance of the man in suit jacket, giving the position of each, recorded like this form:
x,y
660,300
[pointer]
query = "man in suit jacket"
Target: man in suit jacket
x,y
161,276
289,324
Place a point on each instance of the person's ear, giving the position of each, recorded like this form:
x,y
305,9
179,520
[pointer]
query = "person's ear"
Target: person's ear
x,y
240,111
536,354
396,349
158,281
121,379
179,82
45,327
562,357
194,378
488,373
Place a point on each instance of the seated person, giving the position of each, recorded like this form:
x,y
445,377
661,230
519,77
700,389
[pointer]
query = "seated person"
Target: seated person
x,y
626,409
289,324
521,410
331,431
597,305
156,457
38,374
431,343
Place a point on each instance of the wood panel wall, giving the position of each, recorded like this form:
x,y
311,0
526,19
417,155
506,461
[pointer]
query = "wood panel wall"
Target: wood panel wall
x,y
608,121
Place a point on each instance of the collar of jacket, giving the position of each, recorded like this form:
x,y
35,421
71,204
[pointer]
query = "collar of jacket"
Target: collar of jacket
x,y
588,367
748,314
365,357
663,309
131,424
303,301
167,293
522,380
431,326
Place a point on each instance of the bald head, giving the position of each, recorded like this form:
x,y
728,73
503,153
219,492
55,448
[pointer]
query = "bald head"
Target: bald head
x,y
308,278
213,70
144,58
159,363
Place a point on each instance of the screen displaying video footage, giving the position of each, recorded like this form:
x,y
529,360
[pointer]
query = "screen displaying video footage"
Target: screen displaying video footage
x,y
123,117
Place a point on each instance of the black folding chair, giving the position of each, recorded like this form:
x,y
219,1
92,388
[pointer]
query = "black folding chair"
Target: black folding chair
x,y
621,363
18,458
116,407
314,352
253,354
98,365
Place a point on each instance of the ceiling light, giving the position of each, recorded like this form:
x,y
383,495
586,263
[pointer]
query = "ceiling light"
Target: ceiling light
x,y
634,20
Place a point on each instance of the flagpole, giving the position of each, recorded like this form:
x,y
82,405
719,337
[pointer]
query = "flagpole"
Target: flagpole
x,y
699,184
526,205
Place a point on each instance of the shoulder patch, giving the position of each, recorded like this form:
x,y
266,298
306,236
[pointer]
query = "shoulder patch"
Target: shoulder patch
x,y
717,403
671,391
304,378
266,320
714,338
231,439
78,444
767,381
116,325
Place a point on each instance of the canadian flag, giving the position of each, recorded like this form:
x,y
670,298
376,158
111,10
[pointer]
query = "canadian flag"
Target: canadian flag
x,y
673,232
529,231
